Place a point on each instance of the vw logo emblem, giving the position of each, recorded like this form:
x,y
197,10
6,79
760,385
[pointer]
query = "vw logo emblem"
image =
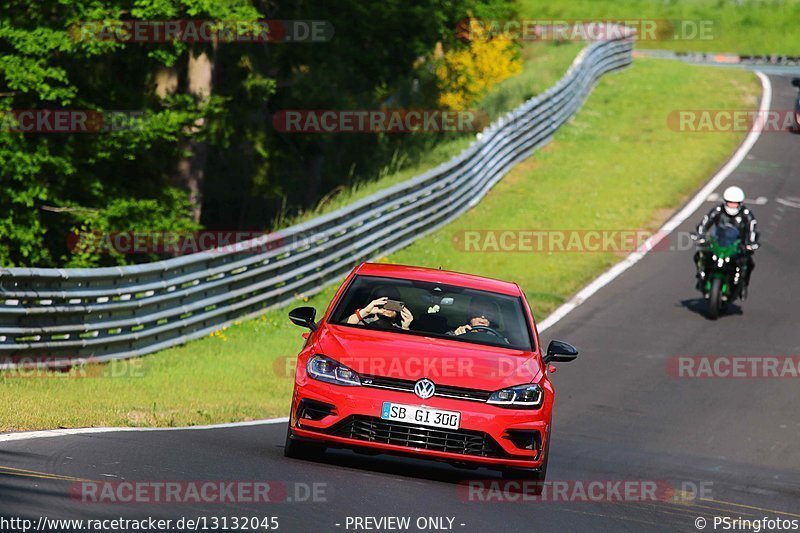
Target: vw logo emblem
x,y
424,388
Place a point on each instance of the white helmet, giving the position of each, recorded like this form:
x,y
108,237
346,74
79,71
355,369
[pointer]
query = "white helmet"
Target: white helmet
x,y
733,195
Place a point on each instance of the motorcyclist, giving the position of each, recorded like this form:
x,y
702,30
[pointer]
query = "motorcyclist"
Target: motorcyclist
x,y
731,211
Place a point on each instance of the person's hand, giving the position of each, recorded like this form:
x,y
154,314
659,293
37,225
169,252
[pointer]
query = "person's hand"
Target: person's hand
x,y
372,307
460,330
406,318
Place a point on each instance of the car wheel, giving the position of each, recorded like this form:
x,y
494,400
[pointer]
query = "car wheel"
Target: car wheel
x,y
538,476
299,449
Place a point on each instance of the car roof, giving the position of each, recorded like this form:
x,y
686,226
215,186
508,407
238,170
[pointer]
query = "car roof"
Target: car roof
x,y
445,277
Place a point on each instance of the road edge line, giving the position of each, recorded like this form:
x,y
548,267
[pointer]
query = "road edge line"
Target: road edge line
x,y
49,433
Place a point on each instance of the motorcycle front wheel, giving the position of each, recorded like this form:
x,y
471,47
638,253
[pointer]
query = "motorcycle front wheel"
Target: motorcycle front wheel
x,y
715,299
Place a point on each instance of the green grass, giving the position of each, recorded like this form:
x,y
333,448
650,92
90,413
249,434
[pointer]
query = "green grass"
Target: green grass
x,y
615,166
754,27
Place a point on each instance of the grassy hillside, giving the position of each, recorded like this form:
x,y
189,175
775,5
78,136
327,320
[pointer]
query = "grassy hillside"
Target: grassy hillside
x,y
745,27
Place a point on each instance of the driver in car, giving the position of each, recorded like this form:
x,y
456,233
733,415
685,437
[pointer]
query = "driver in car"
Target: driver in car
x,y
482,316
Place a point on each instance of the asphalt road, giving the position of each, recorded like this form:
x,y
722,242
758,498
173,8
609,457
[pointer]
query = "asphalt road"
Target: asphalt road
x,y
620,415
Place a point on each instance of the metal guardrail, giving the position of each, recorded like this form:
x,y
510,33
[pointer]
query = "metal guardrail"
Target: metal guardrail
x,y
58,317
769,60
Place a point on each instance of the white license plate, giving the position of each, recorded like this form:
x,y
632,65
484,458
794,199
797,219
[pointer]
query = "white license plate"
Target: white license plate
x,y
421,415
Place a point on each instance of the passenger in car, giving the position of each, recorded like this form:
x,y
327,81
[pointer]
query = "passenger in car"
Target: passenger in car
x,y
374,314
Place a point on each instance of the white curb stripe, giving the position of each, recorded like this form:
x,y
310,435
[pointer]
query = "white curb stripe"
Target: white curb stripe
x,y
693,205
8,437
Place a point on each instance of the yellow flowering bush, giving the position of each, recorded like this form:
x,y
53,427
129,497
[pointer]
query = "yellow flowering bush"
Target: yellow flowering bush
x,y
464,75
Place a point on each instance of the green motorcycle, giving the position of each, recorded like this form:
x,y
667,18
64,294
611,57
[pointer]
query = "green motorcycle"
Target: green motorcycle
x,y
721,274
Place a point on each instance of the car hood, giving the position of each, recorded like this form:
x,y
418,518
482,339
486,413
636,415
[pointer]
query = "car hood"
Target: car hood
x,y
412,357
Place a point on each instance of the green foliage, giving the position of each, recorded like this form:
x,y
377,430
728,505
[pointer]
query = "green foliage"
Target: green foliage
x,y
52,185
171,212
55,184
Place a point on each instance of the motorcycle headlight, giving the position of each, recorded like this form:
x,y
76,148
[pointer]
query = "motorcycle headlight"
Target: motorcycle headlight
x,y
528,396
326,369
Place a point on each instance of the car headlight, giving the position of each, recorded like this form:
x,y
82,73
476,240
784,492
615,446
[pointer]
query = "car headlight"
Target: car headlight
x,y
528,396
326,369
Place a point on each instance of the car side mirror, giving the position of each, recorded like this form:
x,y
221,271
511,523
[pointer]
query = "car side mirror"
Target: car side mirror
x,y
560,352
304,316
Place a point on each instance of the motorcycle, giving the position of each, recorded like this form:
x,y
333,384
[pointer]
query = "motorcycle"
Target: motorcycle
x,y
721,274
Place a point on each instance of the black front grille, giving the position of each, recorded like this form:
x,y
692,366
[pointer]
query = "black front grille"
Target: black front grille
x,y
372,429
462,393
443,391
388,383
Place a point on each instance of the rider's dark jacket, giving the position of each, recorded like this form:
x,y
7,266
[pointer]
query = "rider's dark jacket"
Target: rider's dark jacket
x,y
744,221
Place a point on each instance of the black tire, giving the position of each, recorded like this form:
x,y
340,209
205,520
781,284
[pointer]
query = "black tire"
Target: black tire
x,y
537,476
300,449
715,298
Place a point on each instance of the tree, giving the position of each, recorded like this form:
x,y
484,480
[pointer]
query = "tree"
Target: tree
x,y
193,144
57,183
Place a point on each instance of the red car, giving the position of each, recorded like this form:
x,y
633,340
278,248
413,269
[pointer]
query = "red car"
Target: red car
x,y
427,363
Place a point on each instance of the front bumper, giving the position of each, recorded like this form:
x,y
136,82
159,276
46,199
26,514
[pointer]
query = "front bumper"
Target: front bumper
x,y
488,435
